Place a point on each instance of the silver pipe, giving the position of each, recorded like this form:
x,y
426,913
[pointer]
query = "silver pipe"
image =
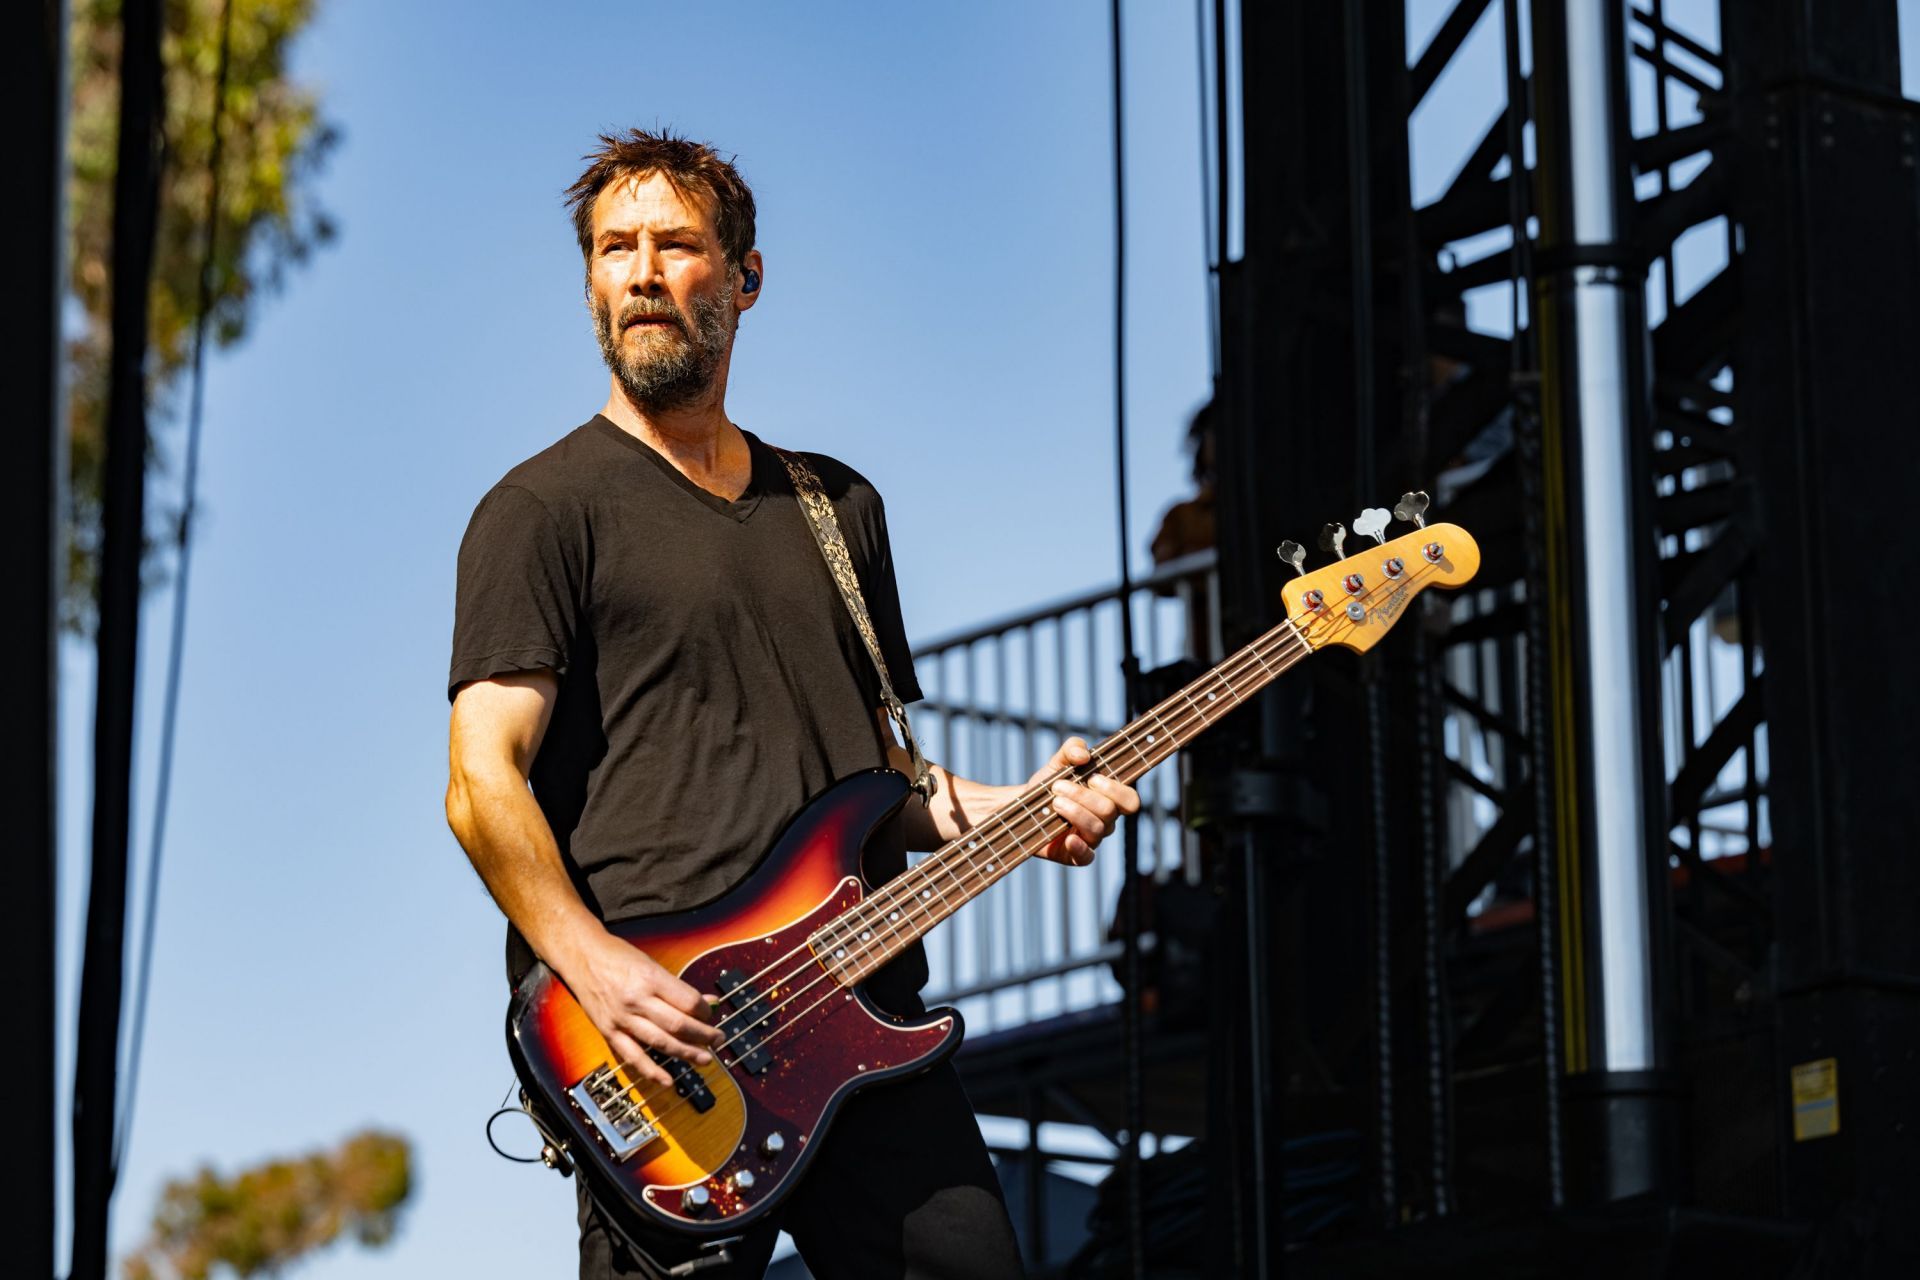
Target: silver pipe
x,y
1602,320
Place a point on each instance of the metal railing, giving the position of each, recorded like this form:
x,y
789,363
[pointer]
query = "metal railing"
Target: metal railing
x,y
998,700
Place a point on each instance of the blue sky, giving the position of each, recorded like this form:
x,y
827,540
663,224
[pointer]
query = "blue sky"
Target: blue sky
x,y
934,188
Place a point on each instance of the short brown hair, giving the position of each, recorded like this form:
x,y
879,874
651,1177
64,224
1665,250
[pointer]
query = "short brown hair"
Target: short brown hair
x,y
692,167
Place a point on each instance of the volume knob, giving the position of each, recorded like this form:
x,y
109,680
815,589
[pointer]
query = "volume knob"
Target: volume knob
x,y
696,1199
772,1145
743,1180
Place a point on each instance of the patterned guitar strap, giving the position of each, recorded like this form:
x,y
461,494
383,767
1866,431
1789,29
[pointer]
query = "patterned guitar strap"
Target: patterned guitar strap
x,y
833,547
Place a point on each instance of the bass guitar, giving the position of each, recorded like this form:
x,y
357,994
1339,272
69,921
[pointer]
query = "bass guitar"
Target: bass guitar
x,y
786,951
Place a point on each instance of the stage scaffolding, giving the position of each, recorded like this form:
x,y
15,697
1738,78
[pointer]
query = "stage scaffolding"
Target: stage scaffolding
x,y
1535,933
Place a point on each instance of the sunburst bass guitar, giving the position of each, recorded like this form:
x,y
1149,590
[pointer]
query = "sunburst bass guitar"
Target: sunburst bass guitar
x,y
786,950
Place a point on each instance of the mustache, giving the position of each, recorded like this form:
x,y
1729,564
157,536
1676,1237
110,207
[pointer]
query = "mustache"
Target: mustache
x,y
638,309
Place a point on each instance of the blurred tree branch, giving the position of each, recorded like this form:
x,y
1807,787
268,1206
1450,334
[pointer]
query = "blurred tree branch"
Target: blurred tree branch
x,y
265,1217
275,143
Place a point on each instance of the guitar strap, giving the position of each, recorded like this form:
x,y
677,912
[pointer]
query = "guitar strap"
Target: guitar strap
x,y
833,547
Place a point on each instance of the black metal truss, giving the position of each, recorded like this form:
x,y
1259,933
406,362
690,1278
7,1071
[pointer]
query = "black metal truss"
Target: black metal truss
x,y
1324,98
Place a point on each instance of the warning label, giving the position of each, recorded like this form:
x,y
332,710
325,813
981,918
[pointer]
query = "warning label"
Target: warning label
x,y
1816,1099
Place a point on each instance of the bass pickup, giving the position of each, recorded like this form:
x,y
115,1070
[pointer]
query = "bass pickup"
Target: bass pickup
x,y
747,1004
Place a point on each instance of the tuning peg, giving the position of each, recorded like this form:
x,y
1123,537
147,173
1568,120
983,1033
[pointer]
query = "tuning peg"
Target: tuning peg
x,y
1293,554
1373,523
1332,536
1411,508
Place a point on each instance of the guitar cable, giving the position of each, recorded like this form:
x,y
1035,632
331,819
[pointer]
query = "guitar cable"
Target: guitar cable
x,y
507,1108
554,1155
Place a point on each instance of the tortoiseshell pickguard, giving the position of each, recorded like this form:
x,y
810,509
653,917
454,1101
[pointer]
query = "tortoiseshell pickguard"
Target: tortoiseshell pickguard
x,y
823,1042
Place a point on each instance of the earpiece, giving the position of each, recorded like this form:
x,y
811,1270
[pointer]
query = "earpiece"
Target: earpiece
x,y
752,282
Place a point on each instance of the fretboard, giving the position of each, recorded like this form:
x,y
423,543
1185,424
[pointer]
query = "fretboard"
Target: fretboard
x,y
903,910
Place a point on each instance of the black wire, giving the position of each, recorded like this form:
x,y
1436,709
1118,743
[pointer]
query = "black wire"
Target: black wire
x,y
507,1155
1131,888
170,716
1222,176
1210,251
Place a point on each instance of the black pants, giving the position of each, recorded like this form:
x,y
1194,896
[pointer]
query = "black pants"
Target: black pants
x,y
902,1188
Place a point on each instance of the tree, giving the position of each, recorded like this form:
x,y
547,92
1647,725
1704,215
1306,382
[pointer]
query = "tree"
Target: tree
x,y
274,142
265,1217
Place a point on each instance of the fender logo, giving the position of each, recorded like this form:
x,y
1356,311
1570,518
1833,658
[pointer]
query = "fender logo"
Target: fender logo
x,y
1390,609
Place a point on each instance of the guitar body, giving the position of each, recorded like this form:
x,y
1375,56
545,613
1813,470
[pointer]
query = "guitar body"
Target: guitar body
x,y
731,1139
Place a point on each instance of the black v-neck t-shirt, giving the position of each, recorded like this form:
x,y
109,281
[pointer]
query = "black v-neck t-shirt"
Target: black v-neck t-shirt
x,y
711,680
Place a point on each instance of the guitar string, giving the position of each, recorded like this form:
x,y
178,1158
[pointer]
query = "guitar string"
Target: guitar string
x,y
914,888
1297,649
662,1113
909,889
1289,647
1242,664
827,971
904,889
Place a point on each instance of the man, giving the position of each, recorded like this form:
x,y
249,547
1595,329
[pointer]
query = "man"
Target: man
x,y
646,632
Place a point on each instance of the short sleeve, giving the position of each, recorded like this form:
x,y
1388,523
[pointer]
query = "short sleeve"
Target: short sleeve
x,y
517,596
883,603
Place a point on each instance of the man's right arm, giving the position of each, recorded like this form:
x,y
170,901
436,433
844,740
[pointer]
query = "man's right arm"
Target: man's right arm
x,y
636,1004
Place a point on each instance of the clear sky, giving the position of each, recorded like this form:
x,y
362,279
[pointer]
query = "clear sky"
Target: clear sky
x,y
934,192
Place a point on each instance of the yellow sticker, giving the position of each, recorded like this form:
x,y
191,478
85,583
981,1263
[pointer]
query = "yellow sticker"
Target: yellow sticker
x,y
1816,1099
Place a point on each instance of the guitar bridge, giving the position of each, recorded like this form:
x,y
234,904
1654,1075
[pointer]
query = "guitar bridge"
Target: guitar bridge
x,y
609,1105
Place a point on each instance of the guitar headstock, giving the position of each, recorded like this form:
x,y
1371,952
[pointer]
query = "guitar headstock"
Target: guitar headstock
x,y
1354,602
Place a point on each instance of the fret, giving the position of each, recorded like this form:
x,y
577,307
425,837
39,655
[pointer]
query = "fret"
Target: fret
x,y
1033,818
1160,727
891,915
1195,709
1145,761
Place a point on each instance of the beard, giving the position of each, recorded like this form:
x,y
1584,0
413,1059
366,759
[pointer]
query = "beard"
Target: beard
x,y
671,368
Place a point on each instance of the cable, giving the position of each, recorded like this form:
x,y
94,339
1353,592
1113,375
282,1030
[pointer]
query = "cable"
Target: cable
x,y
170,716
1129,668
1209,251
503,1153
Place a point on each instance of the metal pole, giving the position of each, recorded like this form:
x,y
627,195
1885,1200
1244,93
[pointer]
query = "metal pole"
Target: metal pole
x,y
1596,404
33,54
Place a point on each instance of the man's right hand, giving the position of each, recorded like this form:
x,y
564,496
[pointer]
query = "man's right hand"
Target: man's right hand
x,y
637,1005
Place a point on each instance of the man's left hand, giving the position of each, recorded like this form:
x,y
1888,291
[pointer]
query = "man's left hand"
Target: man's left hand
x,y
1092,808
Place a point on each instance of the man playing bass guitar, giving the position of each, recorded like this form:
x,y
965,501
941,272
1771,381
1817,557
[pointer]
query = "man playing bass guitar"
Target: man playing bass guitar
x,y
653,671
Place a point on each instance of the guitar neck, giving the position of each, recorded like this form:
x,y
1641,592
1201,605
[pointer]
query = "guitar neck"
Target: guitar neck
x,y
903,910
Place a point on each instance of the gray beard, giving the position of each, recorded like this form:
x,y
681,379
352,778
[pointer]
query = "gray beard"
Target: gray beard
x,y
656,380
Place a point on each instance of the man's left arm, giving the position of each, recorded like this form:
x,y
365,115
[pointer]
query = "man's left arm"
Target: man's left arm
x,y
1091,808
